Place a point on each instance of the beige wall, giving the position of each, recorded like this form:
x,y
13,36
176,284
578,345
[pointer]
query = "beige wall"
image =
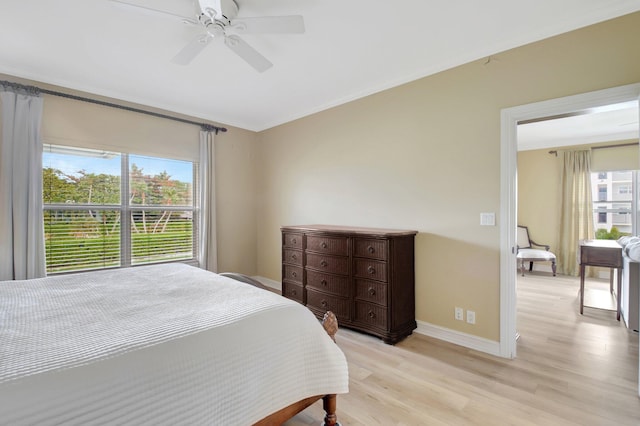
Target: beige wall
x,y
236,201
426,156
539,195
76,123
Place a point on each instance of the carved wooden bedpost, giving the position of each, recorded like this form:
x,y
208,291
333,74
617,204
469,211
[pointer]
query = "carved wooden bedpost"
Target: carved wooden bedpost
x,y
329,406
330,324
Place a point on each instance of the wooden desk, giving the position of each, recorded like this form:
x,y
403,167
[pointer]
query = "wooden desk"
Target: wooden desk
x,y
606,253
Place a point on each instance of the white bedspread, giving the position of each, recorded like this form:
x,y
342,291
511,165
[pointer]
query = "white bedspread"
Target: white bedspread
x,y
164,344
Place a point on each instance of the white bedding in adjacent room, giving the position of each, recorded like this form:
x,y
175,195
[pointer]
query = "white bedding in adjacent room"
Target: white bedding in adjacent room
x,y
630,247
163,344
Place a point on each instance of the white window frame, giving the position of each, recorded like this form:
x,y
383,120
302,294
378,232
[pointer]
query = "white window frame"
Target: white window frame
x,y
125,209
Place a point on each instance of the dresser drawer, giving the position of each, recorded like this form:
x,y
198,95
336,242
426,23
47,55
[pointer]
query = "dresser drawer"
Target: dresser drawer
x,y
371,269
334,284
293,291
292,240
370,314
328,245
370,248
292,257
320,303
332,264
292,273
371,291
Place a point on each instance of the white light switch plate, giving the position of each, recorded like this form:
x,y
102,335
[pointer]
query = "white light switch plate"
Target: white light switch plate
x,y
487,219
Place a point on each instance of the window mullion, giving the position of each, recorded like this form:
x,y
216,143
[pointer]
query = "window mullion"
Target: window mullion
x,y
125,213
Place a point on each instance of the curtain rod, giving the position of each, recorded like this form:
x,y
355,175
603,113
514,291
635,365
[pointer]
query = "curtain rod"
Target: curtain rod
x,y
37,90
603,147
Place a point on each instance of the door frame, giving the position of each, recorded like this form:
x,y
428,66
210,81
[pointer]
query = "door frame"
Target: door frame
x,y
509,118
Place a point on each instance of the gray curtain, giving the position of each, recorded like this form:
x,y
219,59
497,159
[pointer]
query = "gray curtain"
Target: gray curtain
x,y
208,248
576,215
22,252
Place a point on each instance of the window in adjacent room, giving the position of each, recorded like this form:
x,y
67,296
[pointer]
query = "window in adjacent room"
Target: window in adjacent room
x,y
612,205
109,209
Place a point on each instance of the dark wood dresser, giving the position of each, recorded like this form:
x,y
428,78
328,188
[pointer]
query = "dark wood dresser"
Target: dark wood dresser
x,y
366,276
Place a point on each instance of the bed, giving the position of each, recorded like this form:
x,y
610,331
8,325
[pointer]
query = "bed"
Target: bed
x,y
163,344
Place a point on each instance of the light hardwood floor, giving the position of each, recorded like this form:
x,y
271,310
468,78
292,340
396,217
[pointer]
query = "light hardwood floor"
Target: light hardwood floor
x,y
570,370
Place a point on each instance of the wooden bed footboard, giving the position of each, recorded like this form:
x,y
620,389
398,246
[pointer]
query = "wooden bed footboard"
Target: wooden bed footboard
x,y
329,402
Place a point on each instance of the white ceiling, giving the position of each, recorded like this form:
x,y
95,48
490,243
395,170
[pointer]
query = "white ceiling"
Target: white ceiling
x,y
609,123
350,49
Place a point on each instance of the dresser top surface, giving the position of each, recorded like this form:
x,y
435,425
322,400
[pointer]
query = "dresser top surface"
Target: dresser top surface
x,y
336,229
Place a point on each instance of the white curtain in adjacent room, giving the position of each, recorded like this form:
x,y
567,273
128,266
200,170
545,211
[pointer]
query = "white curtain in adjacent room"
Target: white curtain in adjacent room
x,y
22,251
576,215
208,249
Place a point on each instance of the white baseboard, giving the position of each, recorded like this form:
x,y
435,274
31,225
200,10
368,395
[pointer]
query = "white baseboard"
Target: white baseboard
x,y
456,337
459,338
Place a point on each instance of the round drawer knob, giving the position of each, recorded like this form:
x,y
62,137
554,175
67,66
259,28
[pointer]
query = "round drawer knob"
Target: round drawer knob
x,y
324,283
370,249
323,245
372,314
324,303
294,257
372,291
324,263
294,241
371,270
293,292
294,274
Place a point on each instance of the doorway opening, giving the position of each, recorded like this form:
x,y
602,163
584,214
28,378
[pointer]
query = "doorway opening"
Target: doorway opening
x,y
510,118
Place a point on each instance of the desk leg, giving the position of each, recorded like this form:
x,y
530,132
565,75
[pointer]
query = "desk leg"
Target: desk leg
x,y
581,288
611,279
618,293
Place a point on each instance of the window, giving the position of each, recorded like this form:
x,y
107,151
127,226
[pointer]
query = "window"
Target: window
x,y
602,192
108,209
602,215
612,201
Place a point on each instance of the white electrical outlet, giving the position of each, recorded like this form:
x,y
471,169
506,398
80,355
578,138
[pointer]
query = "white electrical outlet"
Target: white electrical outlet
x,y
459,314
471,317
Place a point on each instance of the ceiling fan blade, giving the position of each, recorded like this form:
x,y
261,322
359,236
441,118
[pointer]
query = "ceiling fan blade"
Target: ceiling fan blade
x,y
191,50
248,53
152,10
293,24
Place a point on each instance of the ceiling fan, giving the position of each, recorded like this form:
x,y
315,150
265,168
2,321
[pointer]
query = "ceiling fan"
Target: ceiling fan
x,y
217,19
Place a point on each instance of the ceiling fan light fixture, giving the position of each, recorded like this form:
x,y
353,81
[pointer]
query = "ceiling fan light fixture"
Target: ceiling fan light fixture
x,y
215,29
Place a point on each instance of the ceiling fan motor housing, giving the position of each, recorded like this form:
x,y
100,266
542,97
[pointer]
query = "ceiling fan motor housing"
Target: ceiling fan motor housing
x,y
217,10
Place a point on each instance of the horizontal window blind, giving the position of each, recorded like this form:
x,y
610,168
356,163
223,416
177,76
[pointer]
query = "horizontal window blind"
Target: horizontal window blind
x,y
109,209
161,235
